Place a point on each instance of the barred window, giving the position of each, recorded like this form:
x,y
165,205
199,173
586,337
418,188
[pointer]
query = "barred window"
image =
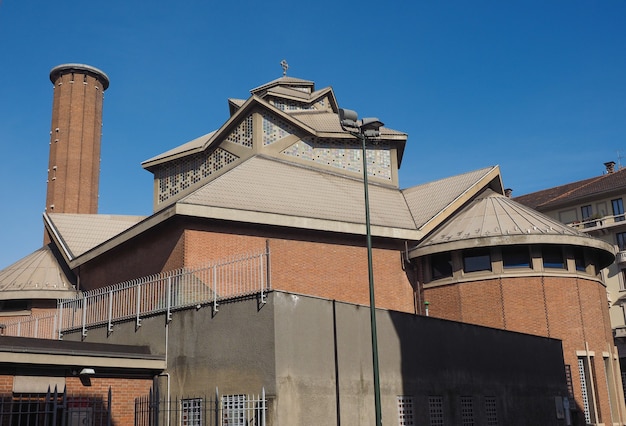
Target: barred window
x,y
191,412
435,410
405,411
234,410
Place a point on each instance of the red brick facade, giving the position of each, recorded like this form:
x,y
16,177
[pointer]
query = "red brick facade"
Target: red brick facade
x,y
123,393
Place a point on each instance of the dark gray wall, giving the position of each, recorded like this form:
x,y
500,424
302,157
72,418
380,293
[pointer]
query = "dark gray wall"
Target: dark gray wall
x,y
313,356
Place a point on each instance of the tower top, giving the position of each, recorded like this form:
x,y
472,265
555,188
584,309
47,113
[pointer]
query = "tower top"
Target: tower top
x,y
80,68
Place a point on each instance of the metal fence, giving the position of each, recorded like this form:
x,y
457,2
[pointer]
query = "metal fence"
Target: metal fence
x,y
55,408
224,410
160,293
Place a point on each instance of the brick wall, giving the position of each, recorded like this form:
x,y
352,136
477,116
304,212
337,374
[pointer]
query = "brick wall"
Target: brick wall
x,y
313,264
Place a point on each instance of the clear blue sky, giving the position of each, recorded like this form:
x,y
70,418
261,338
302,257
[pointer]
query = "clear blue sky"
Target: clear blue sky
x,y
537,87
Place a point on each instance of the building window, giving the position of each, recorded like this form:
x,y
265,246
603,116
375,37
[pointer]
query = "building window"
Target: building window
x,y
552,257
467,411
234,410
579,259
584,387
618,209
568,380
435,410
405,411
191,412
491,411
586,212
621,240
515,257
476,260
441,265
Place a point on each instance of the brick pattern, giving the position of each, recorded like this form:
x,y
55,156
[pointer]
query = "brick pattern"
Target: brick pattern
x,y
124,391
572,309
313,267
74,162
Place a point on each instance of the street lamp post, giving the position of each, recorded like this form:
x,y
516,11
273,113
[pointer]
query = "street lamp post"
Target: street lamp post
x,y
364,129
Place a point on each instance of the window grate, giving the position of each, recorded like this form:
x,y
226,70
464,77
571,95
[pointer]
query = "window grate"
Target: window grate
x,y
491,411
467,411
191,412
405,411
583,388
435,410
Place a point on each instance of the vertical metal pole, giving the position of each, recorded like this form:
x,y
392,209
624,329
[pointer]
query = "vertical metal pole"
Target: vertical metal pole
x,y
370,271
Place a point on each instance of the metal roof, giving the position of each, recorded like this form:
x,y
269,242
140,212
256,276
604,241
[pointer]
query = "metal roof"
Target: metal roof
x,y
38,276
491,219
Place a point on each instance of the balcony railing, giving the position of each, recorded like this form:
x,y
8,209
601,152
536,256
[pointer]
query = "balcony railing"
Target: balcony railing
x,y
599,222
161,293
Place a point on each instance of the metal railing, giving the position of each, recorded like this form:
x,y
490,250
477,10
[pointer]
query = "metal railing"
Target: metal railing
x,y
160,293
599,222
220,410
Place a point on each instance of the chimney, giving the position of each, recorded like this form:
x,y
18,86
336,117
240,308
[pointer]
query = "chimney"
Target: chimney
x,y
508,192
610,166
74,162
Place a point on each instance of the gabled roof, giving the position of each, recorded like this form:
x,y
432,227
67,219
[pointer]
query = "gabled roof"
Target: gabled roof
x,y
447,195
76,234
575,192
491,219
270,191
267,191
36,276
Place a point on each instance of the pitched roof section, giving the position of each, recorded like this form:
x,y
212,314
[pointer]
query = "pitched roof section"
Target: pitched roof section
x,y
431,200
79,233
575,192
270,189
284,81
492,219
36,276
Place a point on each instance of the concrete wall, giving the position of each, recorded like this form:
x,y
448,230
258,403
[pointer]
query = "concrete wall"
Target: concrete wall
x,y
313,356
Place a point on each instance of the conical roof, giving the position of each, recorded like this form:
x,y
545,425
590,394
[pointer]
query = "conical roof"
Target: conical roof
x,y
36,276
491,219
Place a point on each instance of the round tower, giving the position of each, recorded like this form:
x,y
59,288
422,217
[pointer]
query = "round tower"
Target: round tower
x,y
74,164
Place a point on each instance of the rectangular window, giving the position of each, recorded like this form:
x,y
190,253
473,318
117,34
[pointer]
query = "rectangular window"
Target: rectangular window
x,y
515,257
621,240
476,260
579,260
552,257
618,209
405,411
467,411
568,380
191,412
441,265
586,212
234,410
584,387
435,410
491,411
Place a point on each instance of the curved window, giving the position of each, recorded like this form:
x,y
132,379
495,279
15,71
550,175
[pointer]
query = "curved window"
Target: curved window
x,y
441,265
553,257
476,260
515,257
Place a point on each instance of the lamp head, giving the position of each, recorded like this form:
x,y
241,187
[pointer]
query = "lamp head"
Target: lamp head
x,y
87,372
348,120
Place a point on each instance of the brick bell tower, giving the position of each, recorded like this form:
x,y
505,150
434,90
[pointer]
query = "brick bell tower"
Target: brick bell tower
x,y
74,164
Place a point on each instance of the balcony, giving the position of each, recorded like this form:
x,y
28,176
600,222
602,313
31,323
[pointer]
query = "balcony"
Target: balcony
x,y
599,223
620,258
619,332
